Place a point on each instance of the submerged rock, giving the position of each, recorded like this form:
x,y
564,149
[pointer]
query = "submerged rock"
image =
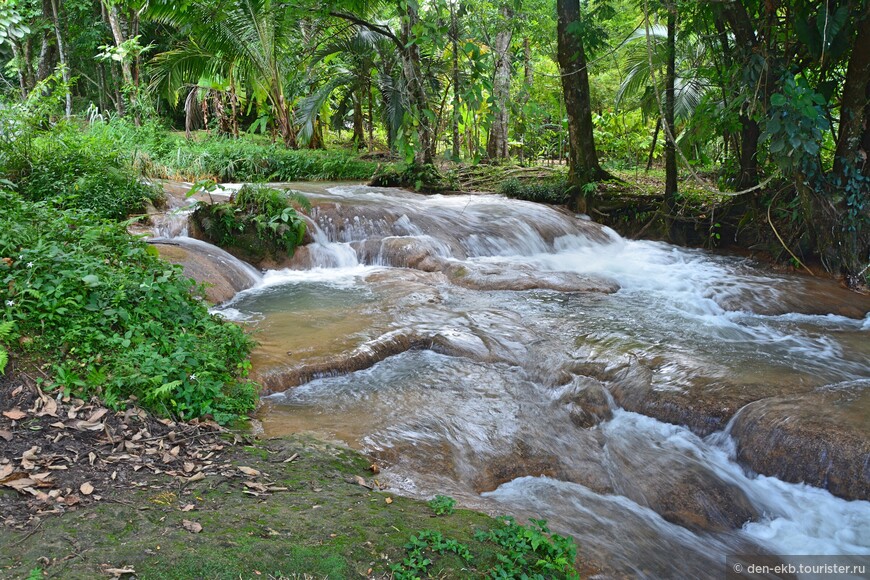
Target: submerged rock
x,y
820,438
519,277
222,274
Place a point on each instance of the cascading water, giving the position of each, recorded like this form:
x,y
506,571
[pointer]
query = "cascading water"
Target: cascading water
x,y
406,337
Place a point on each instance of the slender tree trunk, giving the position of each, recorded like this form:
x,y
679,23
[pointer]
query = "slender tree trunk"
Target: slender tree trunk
x,y
425,154
27,64
19,58
853,141
652,149
62,54
46,58
497,141
670,126
358,139
454,43
582,157
528,81
371,111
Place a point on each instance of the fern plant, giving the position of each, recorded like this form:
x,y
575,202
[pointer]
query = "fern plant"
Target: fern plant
x,y
5,335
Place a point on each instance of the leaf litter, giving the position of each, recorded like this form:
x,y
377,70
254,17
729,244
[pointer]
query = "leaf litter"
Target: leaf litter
x,y
58,454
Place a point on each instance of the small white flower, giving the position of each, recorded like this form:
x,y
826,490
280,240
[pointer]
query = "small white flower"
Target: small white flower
x,y
10,303
29,264
193,377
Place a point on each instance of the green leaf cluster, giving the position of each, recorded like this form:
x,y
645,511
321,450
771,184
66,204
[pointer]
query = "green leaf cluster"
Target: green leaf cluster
x,y
112,319
260,220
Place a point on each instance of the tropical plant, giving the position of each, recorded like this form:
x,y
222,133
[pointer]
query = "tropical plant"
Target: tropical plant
x,y
248,45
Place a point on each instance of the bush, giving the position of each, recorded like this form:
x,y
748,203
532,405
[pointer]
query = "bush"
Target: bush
x,y
113,319
74,169
552,192
157,153
258,221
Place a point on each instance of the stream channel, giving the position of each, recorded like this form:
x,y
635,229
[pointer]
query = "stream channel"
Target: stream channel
x,y
661,405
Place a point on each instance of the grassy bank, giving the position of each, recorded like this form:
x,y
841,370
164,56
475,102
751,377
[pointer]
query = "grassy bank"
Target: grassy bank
x,y
159,153
320,523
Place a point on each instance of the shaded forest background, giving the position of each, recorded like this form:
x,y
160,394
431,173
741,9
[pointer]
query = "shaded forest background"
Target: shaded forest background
x,y
755,109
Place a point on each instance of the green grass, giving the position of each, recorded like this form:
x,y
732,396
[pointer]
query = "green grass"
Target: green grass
x,y
158,153
324,525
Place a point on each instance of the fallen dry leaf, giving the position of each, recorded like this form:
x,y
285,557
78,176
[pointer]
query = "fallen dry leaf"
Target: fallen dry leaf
x,y
189,507
389,500
374,468
17,390
118,571
6,471
190,526
249,471
255,485
97,415
86,488
196,477
49,407
7,435
15,414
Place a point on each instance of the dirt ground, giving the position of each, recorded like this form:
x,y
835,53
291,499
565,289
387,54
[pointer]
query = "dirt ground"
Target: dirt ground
x,y
87,492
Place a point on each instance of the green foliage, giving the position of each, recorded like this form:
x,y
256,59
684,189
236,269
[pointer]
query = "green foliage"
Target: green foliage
x,y
113,319
796,125
411,175
554,192
263,215
529,552
442,505
6,334
245,160
65,165
420,550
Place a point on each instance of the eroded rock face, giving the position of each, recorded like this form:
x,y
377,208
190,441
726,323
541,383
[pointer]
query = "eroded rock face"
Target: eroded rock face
x,y
518,277
222,276
821,438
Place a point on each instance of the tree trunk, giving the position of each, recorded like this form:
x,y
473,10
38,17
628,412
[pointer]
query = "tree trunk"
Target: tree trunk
x,y
62,55
670,197
853,141
652,149
19,58
359,138
497,141
454,42
46,58
670,126
528,80
371,111
425,153
582,157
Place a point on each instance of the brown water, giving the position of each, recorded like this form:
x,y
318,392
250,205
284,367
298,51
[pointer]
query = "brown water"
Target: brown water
x,y
502,373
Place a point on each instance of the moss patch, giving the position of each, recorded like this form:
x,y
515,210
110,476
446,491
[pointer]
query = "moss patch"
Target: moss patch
x,y
325,525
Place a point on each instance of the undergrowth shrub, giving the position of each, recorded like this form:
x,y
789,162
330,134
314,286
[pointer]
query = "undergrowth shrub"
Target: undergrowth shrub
x,y
510,550
158,153
114,320
552,192
258,221
71,168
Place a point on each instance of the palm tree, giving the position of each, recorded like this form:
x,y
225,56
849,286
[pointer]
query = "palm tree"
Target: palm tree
x,y
356,50
252,43
689,86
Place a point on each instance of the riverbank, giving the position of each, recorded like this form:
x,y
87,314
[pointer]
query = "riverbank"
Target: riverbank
x,y
87,492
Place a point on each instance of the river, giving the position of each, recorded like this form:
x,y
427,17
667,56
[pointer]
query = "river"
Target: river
x,y
530,362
